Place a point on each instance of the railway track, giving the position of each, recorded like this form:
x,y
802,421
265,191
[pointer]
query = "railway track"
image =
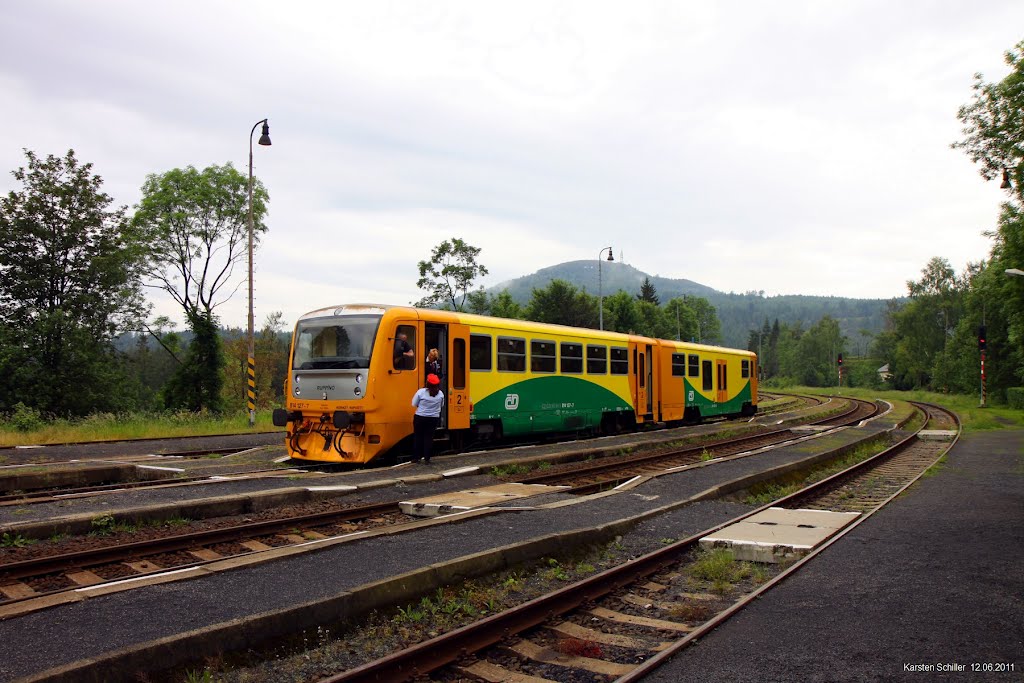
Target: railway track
x,y
585,478
624,622
45,575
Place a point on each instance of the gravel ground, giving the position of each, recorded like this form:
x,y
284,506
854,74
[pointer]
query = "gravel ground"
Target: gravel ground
x,y
936,578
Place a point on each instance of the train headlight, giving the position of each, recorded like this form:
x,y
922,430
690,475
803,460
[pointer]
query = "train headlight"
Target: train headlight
x,y
359,379
357,391
298,389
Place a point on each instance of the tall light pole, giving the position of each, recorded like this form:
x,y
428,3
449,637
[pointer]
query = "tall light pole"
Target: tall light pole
x,y
251,368
600,292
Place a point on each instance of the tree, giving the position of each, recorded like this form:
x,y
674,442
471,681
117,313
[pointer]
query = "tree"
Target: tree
x,y
197,223
272,346
562,304
449,274
68,284
647,292
993,125
504,306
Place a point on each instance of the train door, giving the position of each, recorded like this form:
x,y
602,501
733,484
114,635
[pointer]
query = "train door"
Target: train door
x,y
435,336
406,369
722,394
649,413
457,377
643,394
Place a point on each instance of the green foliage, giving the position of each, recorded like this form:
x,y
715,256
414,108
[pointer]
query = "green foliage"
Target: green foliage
x,y
1015,397
449,274
68,282
197,385
9,540
993,125
511,469
648,293
103,525
25,419
562,304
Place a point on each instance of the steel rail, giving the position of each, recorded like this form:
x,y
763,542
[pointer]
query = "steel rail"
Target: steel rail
x,y
94,556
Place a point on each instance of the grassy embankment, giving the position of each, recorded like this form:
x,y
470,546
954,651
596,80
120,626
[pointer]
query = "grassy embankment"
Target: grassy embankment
x,y
973,417
25,432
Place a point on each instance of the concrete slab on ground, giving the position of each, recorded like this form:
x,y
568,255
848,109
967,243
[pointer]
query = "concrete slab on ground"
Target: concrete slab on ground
x,y
457,501
777,534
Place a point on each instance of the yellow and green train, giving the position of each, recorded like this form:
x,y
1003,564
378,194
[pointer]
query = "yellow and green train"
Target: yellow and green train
x,y
350,385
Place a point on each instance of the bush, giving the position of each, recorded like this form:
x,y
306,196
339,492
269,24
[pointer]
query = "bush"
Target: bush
x,y
1015,397
25,419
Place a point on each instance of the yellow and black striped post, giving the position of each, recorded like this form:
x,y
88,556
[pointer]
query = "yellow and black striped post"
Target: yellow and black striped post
x,y
252,390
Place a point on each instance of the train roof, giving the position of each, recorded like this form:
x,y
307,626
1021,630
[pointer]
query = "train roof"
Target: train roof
x,y
485,320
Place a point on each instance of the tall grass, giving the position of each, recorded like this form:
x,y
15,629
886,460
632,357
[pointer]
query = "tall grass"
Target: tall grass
x,y
107,426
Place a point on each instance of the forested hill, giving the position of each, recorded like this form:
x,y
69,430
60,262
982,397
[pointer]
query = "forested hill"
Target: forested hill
x,y
739,313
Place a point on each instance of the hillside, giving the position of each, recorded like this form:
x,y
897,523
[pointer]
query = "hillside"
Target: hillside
x,y
739,313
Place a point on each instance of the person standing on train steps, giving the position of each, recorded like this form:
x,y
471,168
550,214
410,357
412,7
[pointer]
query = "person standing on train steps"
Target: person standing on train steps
x,y
432,366
428,402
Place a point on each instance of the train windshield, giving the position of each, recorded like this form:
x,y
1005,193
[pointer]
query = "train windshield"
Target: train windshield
x,y
335,343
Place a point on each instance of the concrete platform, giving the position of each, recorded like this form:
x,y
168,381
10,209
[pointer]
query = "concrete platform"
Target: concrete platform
x,y
458,501
777,534
937,434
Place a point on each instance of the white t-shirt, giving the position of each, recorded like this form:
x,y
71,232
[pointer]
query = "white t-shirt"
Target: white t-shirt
x,y
427,405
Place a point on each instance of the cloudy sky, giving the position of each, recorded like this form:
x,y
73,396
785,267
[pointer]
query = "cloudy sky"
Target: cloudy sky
x,y
789,147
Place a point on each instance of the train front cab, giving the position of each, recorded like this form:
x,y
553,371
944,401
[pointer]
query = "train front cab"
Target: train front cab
x,y
338,411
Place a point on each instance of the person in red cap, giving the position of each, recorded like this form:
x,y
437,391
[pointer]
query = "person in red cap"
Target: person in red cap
x,y
428,402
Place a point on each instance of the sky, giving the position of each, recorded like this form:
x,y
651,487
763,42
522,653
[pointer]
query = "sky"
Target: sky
x,y
784,147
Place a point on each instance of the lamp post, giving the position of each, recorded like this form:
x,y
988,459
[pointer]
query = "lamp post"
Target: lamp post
x,y
251,367
600,292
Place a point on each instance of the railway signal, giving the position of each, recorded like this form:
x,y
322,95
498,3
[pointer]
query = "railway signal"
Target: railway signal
x,y
981,337
839,364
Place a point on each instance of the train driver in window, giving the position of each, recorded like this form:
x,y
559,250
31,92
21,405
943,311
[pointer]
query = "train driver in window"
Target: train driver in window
x,y
403,352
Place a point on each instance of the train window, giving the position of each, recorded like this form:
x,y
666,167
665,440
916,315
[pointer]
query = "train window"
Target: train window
x,y
597,359
542,356
457,365
694,365
335,343
511,354
572,358
405,347
480,352
744,368
708,379
620,361
679,365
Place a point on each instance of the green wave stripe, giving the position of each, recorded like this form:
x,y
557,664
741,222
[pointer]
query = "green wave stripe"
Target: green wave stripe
x,y
708,407
544,404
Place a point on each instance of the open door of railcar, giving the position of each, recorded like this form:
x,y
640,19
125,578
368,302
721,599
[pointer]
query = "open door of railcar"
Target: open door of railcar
x,y
458,377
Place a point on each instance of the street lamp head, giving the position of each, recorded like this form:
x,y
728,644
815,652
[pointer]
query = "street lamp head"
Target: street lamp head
x,y
265,136
1014,271
610,257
